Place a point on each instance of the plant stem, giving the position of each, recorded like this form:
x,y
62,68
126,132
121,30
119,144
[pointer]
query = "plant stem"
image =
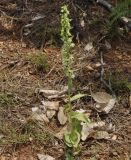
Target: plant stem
x,y
69,92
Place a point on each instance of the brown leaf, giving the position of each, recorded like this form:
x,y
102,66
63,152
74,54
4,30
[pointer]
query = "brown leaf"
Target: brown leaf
x,y
40,117
87,129
100,135
50,113
61,116
60,134
51,94
54,105
110,105
105,107
45,157
101,97
89,46
47,92
114,137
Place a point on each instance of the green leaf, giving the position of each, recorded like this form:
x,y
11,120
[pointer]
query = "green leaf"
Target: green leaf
x,y
77,96
75,138
72,139
67,140
79,116
77,125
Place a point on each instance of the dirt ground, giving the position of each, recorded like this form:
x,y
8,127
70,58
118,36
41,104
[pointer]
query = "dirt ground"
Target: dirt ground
x,y
23,138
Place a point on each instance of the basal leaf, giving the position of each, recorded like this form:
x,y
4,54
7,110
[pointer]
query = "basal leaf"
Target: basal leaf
x,y
75,138
79,116
77,96
67,140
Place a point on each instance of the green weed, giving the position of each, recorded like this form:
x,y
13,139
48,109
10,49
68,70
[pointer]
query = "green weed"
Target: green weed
x,y
39,61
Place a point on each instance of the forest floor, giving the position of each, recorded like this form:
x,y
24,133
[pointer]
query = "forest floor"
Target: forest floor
x,y
22,137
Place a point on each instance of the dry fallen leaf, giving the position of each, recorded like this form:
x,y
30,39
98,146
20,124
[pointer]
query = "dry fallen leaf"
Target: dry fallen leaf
x,y
87,129
35,109
47,92
100,135
110,105
105,107
98,64
56,96
61,116
54,105
101,97
50,94
90,68
40,117
60,134
50,113
114,137
89,46
45,157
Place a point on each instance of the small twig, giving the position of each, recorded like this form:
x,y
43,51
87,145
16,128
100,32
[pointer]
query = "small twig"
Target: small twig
x,y
102,75
51,70
80,8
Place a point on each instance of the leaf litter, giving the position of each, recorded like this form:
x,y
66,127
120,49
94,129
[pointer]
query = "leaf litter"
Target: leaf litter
x,y
87,129
50,113
45,157
101,97
61,133
51,94
52,108
61,116
89,46
40,117
46,111
104,101
52,105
